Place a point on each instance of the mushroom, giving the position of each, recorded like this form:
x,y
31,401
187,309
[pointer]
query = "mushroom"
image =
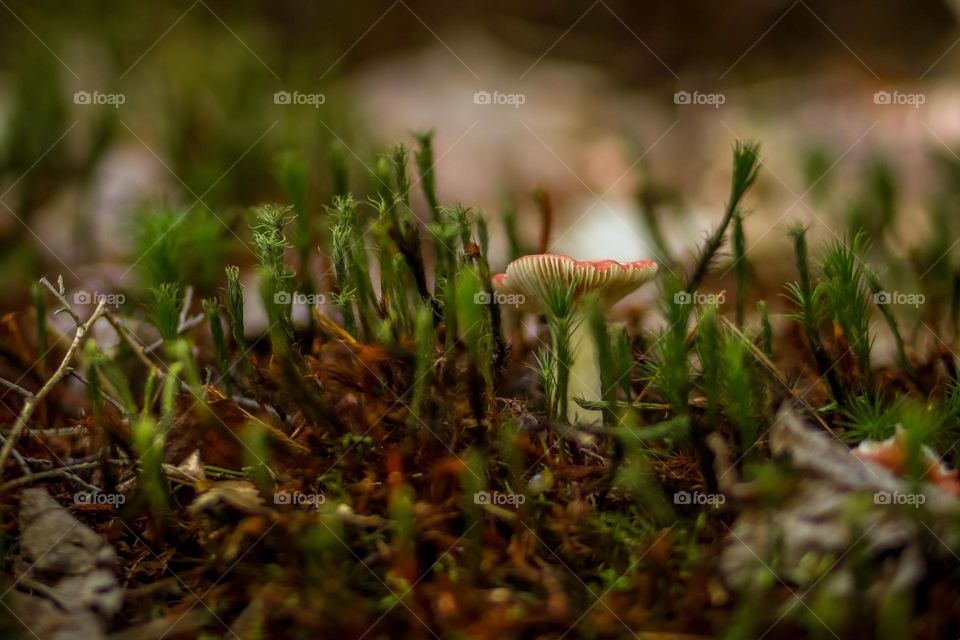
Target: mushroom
x,y
893,454
529,278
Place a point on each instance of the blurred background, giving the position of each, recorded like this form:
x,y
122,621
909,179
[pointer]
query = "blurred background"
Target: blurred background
x,y
624,112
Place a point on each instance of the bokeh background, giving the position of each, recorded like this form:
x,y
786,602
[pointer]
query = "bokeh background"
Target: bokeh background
x,y
622,111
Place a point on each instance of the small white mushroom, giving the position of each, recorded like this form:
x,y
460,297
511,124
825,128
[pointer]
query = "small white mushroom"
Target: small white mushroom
x,y
531,277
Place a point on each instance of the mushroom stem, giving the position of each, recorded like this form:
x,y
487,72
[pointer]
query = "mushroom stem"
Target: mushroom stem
x,y
555,285
585,381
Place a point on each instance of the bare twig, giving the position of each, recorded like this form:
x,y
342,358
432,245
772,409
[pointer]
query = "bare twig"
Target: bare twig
x,y
60,294
109,398
24,466
60,432
185,325
52,473
15,387
138,348
34,400
125,334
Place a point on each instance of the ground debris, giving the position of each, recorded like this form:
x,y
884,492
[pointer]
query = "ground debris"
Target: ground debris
x,y
68,567
838,518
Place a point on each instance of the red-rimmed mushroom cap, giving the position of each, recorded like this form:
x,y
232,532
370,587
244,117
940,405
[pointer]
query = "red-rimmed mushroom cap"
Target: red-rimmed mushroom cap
x,y
530,276
892,454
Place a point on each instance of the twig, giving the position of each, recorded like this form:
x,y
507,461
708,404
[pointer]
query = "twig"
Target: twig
x,y
61,432
60,294
138,349
141,351
47,464
31,403
109,398
125,334
185,325
15,387
24,466
52,473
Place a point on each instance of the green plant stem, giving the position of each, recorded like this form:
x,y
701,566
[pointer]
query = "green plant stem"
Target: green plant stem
x,y
745,166
905,364
767,329
740,265
809,315
428,182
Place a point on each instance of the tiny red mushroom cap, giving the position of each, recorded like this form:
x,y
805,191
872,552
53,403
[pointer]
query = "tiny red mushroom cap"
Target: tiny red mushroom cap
x,y
612,280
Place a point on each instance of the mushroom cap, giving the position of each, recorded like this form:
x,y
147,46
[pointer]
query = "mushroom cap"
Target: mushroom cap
x,y
892,454
529,276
